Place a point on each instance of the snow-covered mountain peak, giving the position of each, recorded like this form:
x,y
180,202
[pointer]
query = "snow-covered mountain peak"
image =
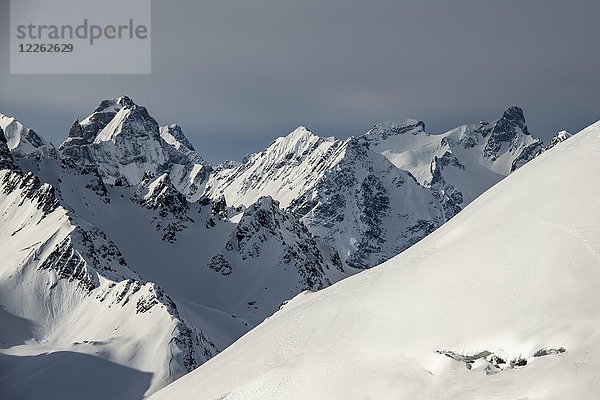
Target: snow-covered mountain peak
x,y
113,117
386,129
22,140
301,131
297,141
114,105
295,258
173,134
124,141
264,214
506,135
264,203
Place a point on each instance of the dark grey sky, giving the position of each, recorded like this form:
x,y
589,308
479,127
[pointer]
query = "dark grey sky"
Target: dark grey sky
x,y
237,74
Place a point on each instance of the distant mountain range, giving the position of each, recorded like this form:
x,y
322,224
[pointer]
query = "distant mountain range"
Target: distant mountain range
x,y
125,252
499,303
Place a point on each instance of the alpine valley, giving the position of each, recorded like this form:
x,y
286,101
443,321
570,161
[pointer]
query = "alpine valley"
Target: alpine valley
x,y
129,261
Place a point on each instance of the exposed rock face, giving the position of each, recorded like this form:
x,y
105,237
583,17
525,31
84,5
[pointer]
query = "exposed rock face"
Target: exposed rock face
x,y
448,195
505,131
267,233
6,160
528,154
124,142
76,133
172,206
350,197
460,164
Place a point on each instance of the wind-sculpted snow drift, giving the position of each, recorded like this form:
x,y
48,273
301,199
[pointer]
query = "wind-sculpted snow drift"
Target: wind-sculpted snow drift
x,y
499,303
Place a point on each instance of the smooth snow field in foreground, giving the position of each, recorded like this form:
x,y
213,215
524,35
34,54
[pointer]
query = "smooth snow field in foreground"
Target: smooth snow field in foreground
x,y
502,302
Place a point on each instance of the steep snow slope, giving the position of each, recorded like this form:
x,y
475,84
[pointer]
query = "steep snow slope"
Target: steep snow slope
x,y
289,167
77,299
352,198
499,303
226,268
201,251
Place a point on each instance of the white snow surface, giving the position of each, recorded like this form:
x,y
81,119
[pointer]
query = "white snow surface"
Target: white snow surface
x,y
517,271
73,315
226,268
20,139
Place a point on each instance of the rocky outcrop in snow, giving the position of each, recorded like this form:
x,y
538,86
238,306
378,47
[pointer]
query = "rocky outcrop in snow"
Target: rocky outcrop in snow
x,y
267,234
558,138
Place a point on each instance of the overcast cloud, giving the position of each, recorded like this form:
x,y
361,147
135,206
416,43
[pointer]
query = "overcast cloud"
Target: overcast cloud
x,y
237,74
